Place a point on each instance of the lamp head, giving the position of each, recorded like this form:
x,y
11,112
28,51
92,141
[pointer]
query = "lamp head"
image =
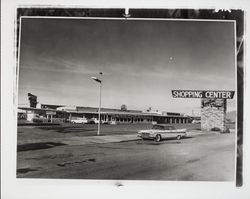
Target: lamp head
x,y
96,79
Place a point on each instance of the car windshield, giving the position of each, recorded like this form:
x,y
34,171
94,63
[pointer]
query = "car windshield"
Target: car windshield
x,y
158,127
169,127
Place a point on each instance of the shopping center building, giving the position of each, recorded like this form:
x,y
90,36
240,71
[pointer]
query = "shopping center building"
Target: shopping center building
x,y
60,113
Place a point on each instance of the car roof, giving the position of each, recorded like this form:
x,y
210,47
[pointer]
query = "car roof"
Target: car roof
x,y
163,125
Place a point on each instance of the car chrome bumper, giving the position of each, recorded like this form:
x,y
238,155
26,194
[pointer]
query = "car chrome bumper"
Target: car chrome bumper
x,y
147,136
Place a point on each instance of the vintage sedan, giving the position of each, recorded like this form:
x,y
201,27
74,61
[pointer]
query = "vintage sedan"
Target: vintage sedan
x,y
162,131
79,120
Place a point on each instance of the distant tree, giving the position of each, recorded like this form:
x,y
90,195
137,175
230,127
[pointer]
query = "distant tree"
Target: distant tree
x,y
123,107
149,109
33,100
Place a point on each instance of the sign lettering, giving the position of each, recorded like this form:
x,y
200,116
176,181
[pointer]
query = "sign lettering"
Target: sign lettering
x,y
202,94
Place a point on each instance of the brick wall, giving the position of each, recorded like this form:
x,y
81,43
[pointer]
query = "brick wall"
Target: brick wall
x,y
213,114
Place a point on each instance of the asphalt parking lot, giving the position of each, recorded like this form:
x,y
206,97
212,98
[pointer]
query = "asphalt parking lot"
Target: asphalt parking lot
x,y
61,153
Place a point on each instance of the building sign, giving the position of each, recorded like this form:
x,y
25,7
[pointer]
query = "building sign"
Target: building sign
x,y
202,94
50,113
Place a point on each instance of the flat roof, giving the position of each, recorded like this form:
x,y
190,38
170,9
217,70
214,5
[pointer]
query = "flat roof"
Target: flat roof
x,y
163,124
108,112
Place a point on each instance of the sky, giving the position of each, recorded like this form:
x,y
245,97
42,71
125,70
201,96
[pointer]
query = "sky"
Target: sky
x,y
141,61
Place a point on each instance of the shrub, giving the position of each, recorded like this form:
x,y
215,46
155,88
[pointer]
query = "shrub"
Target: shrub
x,y
215,129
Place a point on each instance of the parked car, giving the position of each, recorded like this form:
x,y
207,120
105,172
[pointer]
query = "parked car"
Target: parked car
x,y
227,130
162,131
112,122
107,122
196,122
79,121
93,121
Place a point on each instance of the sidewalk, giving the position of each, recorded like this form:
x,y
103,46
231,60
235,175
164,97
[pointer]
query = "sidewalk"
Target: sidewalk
x,y
86,140
99,139
194,133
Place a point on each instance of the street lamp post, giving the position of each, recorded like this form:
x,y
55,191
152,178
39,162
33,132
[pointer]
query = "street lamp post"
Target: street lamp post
x,y
100,99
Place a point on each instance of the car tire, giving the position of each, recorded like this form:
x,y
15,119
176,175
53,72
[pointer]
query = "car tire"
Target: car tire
x,y
178,137
158,138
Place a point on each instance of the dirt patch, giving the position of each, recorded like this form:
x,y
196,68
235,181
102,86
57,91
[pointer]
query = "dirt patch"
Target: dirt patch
x,y
67,129
25,170
193,160
37,146
51,156
75,162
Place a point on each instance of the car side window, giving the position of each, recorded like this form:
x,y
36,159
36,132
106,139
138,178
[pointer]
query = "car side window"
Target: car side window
x,y
158,127
169,128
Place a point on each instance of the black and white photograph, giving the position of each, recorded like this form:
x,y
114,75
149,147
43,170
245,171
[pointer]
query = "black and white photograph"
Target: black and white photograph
x,y
114,99
130,99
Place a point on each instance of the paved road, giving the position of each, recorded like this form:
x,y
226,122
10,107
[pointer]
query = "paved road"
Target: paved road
x,y
206,157
31,134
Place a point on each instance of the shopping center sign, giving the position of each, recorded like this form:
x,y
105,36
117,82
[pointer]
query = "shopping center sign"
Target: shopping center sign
x,y
202,94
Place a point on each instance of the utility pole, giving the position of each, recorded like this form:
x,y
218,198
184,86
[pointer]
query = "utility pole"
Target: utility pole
x,y
100,99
